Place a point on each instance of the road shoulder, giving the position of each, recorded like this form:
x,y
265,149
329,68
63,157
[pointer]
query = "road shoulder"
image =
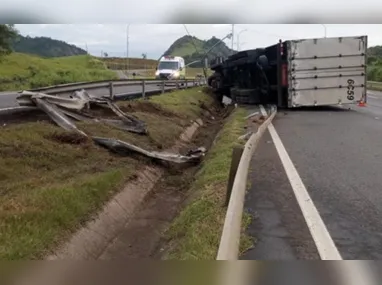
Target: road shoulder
x,y
278,225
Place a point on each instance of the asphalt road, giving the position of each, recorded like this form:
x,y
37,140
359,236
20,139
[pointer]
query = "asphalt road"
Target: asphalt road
x,y
338,155
8,99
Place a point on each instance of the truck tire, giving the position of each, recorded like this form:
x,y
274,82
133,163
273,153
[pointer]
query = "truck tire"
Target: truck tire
x,y
245,96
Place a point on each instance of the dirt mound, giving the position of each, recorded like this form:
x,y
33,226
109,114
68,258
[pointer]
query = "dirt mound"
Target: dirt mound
x,y
68,138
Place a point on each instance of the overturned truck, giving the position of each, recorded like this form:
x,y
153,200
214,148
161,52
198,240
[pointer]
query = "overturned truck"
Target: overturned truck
x,y
295,73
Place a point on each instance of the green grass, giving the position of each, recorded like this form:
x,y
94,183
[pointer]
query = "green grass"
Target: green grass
x,y
120,63
50,185
196,232
21,71
374,72
185,102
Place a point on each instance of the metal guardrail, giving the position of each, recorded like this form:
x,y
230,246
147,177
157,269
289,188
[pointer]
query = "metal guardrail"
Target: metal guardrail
x,y
63,88
230,238
163,86
374,84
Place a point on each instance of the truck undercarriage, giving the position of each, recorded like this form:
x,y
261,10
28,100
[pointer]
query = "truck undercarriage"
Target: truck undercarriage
x,y
306,72
243,77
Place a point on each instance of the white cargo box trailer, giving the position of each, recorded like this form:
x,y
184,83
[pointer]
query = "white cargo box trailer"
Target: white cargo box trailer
x,y
325,71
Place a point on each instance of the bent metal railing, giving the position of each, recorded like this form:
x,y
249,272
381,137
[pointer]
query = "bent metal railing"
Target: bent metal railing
x,y
107,88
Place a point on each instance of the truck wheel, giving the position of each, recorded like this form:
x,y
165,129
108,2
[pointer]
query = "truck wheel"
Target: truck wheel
x,y
245,96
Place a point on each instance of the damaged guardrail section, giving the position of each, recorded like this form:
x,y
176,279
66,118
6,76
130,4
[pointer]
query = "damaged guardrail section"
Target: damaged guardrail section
x,y
64,109
230,238
109,86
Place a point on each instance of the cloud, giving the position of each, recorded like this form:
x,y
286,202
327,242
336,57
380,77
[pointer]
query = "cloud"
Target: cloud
x,y
201,11
154,39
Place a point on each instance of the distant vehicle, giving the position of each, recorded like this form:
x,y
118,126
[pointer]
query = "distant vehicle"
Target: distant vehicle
x,y
296,73
171,67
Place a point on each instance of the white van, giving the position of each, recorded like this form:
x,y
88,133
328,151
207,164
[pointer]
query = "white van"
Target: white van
x,y
171,67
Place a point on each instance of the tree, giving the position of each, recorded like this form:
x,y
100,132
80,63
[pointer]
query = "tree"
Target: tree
x,y
144,55
7,34
105,54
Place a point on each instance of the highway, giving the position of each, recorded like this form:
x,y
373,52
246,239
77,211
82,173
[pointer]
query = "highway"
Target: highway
x,y
8,99
337,153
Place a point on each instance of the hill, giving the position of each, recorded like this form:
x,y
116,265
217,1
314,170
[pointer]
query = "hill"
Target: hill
x,y
44,47
21,71
185,47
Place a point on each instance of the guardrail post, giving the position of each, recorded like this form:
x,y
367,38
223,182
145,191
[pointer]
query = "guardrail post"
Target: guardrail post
x,y
143,88
236,156
111,90
186,83
177,83
162,86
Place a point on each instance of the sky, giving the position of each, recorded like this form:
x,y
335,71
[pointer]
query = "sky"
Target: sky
x,y
154,39
190,11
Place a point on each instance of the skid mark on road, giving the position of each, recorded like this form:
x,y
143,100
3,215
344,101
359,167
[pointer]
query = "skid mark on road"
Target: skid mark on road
x,y
324,243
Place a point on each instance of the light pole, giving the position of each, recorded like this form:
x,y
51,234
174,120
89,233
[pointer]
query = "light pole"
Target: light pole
x,y
324,29
233,30
238,39
218,42
127,50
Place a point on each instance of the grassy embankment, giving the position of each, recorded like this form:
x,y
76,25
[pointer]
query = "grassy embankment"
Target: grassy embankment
x,y
51,183
196,233
146,67
21,71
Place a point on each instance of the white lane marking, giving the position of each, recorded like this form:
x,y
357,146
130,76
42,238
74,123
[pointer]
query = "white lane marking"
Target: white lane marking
x,y
324,243
372,96
350,272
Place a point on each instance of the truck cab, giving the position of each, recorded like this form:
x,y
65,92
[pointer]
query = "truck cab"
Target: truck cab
x,y
171,67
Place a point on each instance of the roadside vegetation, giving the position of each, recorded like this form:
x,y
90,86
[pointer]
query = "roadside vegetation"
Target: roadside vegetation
x,y
24,70
21,71
195,233
374,63
52,182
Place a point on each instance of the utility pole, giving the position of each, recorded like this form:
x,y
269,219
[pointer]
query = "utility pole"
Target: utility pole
x,y
127,50
238,39
233,36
